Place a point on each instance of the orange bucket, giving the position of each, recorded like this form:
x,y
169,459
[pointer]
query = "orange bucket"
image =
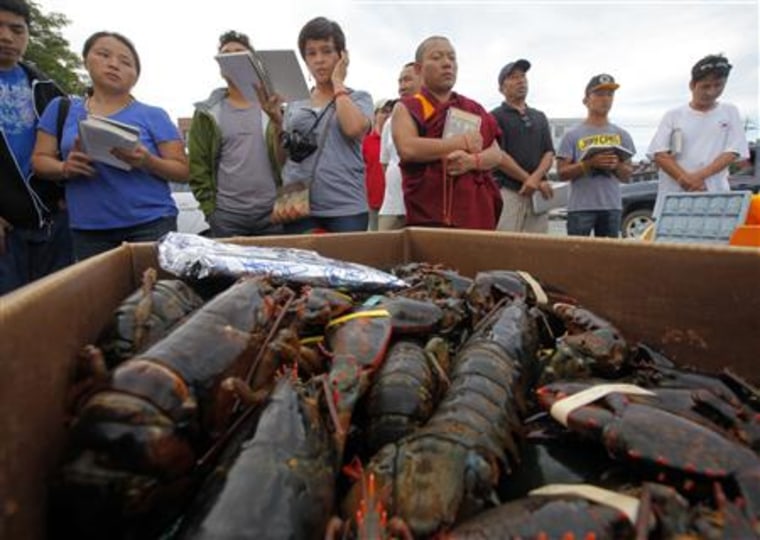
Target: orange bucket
x,y
746,235
753,215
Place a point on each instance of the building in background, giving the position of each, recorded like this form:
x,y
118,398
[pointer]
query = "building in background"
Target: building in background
x,y
560,126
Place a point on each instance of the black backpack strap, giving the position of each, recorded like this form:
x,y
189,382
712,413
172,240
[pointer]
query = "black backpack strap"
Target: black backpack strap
x,y
49,193
63,112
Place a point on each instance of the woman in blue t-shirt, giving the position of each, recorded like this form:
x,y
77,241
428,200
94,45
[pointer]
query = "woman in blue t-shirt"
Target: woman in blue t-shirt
x,y
109,205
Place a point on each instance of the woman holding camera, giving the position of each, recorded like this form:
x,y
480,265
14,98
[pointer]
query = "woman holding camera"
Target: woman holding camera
x,y
323,136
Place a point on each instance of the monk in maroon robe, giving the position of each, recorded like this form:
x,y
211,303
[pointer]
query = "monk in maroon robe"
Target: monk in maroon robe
x,y
446,181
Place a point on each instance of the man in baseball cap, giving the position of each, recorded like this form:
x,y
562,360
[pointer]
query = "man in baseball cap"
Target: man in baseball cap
x,y
595,204
521,64
601,82
527,153
696,143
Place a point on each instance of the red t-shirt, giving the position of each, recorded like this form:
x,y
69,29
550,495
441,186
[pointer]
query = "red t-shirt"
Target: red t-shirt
x,y
374,177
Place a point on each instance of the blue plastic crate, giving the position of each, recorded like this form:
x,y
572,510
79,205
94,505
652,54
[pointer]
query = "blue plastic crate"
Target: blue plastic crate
x,y
701,217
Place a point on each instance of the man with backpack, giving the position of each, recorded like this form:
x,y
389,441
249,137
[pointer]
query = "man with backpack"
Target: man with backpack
x,y
34,232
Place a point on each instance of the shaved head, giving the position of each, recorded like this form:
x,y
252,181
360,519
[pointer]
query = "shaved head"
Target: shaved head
x,y
420,52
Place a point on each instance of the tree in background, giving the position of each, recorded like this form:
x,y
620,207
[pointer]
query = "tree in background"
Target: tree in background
x,y
50,51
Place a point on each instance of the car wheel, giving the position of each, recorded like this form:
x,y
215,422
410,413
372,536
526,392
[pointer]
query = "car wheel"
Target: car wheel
x,y
636,222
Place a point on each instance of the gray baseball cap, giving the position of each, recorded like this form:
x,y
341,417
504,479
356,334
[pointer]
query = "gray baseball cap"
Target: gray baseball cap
x,y
522,64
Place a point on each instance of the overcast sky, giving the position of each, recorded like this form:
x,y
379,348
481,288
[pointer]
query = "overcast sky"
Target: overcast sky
x,y
648,46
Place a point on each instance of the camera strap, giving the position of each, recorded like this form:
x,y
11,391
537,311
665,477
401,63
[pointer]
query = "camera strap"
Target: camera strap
x,y
319,116
322,136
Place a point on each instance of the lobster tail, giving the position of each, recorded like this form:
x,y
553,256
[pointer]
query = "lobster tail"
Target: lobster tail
x,y
450,467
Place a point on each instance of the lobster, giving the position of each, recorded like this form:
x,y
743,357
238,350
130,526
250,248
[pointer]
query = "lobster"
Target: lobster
x,y
277,481
431,281
652,369
539,516
371,521
405,390
146,316
359,343
489,287
687,454
592,346
723,413
136,440
450,466
443,287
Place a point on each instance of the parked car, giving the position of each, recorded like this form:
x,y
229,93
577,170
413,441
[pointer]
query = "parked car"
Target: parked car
x,y
638,204
190,218
638,199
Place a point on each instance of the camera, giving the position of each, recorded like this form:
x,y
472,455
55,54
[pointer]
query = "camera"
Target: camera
x,y
299,146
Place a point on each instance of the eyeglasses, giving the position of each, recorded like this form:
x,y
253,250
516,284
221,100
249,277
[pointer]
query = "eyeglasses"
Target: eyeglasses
x,y
526,120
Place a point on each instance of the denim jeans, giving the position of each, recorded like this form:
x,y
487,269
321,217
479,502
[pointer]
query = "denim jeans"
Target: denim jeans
x,y
339,224
34,253
603,223
92,242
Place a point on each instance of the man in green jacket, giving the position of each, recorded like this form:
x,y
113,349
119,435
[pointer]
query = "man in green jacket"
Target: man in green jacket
x,y
235,155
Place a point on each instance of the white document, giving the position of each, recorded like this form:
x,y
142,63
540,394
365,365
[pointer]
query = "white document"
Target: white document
x,y
99,135
277,71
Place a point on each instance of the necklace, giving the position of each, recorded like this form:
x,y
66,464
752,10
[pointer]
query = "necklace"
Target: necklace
x,y
88,106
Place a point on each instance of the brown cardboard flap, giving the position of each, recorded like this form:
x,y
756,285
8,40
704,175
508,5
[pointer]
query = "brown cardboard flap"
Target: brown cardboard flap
x,y
42,327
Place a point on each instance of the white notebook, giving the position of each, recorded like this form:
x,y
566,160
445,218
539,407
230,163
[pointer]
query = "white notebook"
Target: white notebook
x,y
98,135
277,71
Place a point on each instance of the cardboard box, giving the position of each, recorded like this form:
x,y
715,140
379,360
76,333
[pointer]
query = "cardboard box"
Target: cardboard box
x,y
699,304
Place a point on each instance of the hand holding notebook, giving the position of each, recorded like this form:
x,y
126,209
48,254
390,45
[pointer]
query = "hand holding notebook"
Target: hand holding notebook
x,y
99,135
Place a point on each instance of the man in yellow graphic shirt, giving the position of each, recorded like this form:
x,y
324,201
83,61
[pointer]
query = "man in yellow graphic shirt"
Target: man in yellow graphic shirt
x,y
596,156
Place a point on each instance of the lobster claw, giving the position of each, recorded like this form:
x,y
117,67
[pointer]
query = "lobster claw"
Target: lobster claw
x,y
363,334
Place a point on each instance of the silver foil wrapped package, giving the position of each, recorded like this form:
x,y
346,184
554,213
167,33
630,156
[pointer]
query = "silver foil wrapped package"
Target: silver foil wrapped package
x,y
195,257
